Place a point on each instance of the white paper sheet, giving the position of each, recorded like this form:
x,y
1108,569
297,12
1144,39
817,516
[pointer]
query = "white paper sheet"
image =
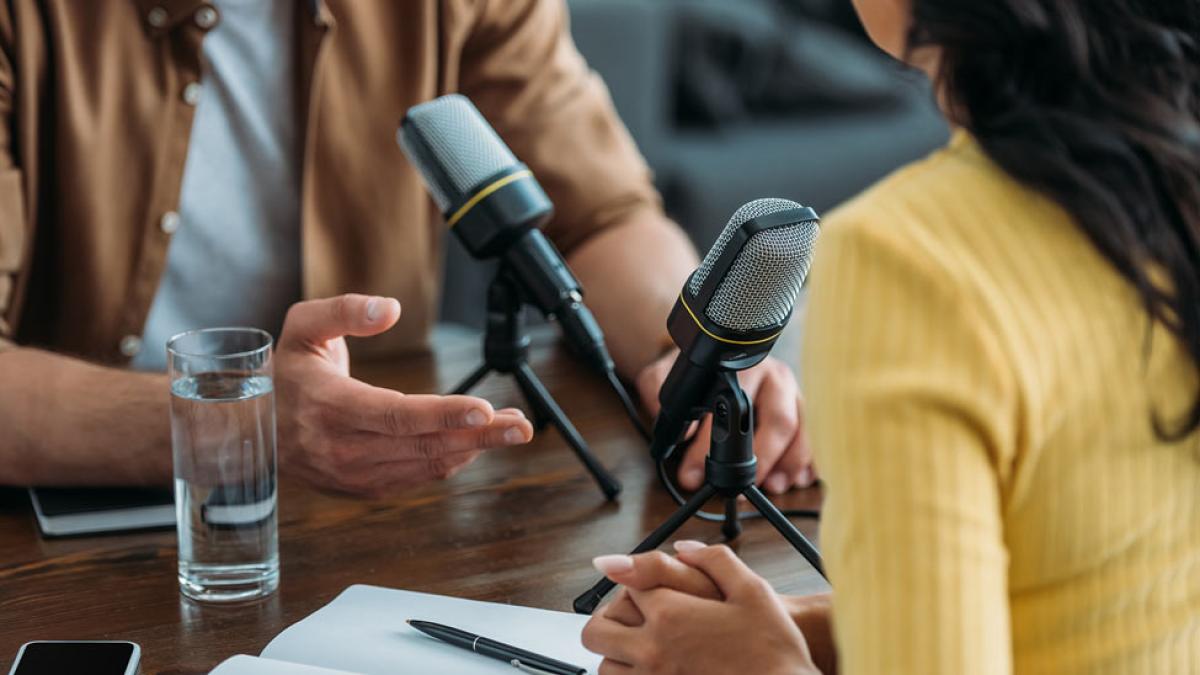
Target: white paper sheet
x,y
252,665
363,631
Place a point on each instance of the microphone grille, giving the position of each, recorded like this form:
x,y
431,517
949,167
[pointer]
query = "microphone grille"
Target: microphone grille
x,y
761,286
453,147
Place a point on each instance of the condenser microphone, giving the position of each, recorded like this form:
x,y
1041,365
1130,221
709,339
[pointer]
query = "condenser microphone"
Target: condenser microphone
x,y
495,207
733,308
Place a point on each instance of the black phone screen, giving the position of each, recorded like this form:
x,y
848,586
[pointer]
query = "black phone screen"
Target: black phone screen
x,y
79,658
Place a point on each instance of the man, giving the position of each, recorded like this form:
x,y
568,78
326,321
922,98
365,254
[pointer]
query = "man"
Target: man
x,y
170,164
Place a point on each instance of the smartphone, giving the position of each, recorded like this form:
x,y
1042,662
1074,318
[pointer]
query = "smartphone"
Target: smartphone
x,y
85,657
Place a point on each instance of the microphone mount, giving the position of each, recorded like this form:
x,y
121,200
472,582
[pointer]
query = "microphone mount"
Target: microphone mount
x,y
729,472
506,350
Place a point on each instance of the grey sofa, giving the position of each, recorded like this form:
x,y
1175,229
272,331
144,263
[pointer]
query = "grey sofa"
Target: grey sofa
x,y
819,157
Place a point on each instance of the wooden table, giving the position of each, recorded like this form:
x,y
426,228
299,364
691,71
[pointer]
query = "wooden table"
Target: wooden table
x,y
519,526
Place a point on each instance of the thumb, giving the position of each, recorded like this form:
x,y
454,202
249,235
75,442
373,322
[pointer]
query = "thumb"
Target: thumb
x,y
731,576
318,321
655,569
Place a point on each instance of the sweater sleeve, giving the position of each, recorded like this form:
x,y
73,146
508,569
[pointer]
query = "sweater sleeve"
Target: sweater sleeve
x,y
911,414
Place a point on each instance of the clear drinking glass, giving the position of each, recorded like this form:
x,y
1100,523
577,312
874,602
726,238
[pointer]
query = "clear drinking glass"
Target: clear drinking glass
x,y
223,439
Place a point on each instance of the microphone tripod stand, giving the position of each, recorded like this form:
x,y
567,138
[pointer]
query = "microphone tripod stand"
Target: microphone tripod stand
x,y
505,351
729,472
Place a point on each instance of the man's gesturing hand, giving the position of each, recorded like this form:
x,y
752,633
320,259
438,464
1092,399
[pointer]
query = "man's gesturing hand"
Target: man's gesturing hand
x,y
784,458
340,433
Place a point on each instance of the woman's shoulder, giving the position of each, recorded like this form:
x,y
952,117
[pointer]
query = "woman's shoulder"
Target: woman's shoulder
x,y
953,188
957,216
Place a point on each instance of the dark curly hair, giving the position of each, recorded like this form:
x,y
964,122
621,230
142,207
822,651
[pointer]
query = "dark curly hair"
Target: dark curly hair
x,y
1096,104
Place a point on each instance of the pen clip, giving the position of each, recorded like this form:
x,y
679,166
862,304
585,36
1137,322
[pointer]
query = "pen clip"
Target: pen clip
x,y
516,663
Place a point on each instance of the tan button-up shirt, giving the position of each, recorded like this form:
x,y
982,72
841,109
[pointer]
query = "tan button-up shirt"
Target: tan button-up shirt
x,y
96,106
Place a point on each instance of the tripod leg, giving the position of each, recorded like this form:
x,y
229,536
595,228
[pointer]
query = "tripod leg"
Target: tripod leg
x,y
786,528
732,526
529,381
472,380
587,603
540,418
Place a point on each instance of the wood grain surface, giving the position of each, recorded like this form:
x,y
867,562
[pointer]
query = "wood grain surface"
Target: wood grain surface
x,y
519,526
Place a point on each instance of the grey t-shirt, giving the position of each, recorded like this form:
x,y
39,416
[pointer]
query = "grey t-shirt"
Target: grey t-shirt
x,y
234,259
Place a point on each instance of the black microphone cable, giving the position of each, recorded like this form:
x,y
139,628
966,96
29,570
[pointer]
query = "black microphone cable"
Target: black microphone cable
x,y
631,409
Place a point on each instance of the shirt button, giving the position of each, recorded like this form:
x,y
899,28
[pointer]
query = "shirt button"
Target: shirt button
x,y
169,222
157,17
206,17
131,345
191,93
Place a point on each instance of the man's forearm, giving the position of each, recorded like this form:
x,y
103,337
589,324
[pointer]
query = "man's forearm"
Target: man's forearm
x,y
632,273
67,422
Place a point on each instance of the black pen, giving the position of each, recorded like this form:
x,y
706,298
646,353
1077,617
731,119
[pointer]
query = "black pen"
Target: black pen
x,y
514,656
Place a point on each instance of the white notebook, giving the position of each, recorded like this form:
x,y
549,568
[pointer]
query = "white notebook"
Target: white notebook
x,y
363,631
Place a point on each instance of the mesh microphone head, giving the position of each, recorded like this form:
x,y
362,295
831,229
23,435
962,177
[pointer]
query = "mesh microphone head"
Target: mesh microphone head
x,y
761,286
453,147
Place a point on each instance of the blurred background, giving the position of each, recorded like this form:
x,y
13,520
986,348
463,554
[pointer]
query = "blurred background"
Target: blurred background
x,y
732,100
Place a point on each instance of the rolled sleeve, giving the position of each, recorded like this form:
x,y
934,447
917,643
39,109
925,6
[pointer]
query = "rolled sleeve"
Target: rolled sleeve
x,y
12,203
522,70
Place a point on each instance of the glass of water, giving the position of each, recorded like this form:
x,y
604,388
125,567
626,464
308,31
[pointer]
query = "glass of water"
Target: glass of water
x,y
223,440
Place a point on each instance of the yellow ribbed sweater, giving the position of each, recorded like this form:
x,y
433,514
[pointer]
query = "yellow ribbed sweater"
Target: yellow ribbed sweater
x,y
980,392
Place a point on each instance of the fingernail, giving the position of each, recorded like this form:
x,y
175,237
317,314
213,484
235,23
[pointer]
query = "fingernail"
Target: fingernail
x,y
805,477
777,483
689,545
613,564
692,477
514,435
476,418
374,307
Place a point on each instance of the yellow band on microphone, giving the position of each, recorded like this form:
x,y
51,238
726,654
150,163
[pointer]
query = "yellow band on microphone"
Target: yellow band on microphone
x,y
482,194
718,338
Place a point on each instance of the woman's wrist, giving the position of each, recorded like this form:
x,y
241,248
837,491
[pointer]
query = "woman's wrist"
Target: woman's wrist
x,y
813,615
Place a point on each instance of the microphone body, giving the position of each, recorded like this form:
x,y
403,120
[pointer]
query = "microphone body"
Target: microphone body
x,y
496,208
733,308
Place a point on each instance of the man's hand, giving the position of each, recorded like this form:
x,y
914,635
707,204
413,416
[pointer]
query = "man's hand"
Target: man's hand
x,y
339,433
784,458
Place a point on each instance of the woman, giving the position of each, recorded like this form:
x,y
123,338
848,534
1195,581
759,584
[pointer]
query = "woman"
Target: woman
x,y
1001,364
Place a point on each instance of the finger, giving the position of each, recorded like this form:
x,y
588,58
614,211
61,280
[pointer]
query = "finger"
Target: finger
x,y
664,606
751,380
314,322
389,479
622,610
611,640
649,382
610,667
656,569
776,423
505,431
366,450
362,407
796,462
722,565
691,467
440,469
